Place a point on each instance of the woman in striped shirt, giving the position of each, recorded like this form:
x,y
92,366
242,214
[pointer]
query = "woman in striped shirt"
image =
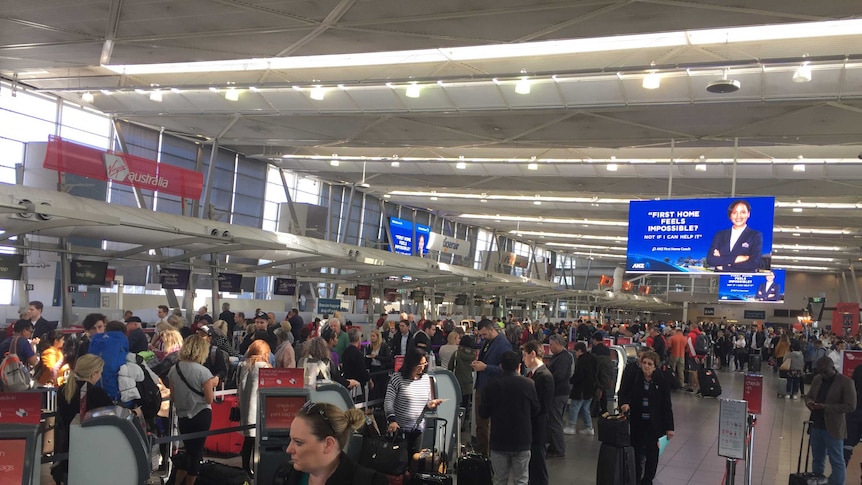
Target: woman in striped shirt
x,y
408,396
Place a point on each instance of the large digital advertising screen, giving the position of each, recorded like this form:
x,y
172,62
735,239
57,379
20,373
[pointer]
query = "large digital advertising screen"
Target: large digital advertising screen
x,y
402,237
724,235
767,287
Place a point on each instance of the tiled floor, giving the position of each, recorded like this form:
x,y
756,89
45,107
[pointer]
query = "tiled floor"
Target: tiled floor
x,y
691,456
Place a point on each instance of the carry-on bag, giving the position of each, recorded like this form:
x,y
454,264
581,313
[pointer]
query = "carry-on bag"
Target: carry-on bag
x,y
616,465
226,444
806,477
709,386
614,430
754,363
782,386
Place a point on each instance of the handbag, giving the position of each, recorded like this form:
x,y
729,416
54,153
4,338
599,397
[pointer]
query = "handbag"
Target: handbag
x,y
386,454
785,365
614,430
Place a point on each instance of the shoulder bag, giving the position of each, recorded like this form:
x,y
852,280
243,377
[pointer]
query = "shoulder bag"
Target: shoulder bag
x,y
186,382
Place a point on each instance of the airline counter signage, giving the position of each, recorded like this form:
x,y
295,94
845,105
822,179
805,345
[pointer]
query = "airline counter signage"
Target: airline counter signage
x,y
328,305
695,235
176,279
448,245
67,157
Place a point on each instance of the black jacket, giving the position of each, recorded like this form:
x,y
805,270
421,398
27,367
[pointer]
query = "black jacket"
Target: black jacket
x,y
561,368
42,326
544,382
507,400
660,407
584,381
347,473
353,365
395,343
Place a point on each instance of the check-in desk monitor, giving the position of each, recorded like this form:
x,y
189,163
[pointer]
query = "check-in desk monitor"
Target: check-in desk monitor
x,y
18,457
108,446
277,408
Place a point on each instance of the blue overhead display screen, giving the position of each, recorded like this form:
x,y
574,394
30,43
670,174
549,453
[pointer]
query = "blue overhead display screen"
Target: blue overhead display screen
x,y
727,235
402,237
766,287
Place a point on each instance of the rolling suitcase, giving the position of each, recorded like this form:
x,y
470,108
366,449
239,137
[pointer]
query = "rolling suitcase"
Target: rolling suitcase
x,y
225,443
709,386
754,363
806,477
471,467
616,465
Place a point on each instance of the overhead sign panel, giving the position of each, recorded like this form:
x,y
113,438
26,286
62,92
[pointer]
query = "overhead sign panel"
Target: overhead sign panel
x,y
722,235
284,286
767,287
174,279
88,272
448,245
67,157
230,282
10,266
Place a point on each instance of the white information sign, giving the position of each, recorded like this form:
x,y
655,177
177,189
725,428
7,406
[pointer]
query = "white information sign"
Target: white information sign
x,y
732,428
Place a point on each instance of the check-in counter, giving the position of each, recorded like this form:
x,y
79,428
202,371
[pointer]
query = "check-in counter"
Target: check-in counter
x,y
108,446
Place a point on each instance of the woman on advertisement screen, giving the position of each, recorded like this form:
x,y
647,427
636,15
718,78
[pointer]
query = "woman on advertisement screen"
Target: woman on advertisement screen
x,y
739,248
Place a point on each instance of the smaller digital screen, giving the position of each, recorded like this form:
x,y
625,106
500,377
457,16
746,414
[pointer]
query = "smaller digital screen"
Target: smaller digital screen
x,y
461,299
284,286
13,454
767,287
390,294
174,279
280,411
438,298
363,292
88,272
229,282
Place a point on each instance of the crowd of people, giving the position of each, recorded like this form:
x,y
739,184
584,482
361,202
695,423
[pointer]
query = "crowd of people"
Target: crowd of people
x,y
525,400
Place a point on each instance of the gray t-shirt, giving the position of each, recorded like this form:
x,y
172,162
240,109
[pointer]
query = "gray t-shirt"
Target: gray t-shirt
x,y
188,403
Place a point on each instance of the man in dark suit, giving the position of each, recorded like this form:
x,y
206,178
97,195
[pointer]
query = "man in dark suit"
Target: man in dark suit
x,y
769,290
403,340
40,325
532,354
226,315
740,248
296,324
507,400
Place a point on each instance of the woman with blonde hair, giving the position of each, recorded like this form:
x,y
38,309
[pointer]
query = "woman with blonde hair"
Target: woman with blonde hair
x,y
256,358
449,349
192,391
81,387
379,359
318,437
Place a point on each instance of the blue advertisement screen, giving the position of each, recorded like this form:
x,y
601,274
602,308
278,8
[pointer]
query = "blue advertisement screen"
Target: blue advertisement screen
x,y
727,235
766,287
402,237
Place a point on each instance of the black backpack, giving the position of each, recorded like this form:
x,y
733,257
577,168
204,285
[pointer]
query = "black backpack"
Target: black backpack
x,y
151,397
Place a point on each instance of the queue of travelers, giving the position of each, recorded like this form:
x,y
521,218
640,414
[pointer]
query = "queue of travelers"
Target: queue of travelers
x,y
493,360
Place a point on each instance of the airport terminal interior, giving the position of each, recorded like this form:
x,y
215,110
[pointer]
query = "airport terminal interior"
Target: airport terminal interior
x,y
543,159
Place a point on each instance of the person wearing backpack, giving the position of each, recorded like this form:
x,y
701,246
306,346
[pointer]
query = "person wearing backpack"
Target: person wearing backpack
x,y
18,358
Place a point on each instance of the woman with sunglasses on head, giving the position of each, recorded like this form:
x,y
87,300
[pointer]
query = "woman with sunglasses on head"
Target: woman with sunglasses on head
x,y
318,437
408,396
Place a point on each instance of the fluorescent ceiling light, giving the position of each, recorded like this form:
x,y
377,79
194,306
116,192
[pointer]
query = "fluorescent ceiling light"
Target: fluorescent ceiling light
x,y
334,162
813,248
532,166
807,268
87,97
395,164
803,258
797,209
548,220
523,86
612,167
722,36
317,93
454,195
798,167
700,167
566,235
537,202
413,91
651,81
156,96
231,94
832,232
433,198
461,165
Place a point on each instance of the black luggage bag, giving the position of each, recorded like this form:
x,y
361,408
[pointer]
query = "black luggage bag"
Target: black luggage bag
x,y
616,465
708,381
754,363
430,479
806,477
212,473
614,430
670,376
474,468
